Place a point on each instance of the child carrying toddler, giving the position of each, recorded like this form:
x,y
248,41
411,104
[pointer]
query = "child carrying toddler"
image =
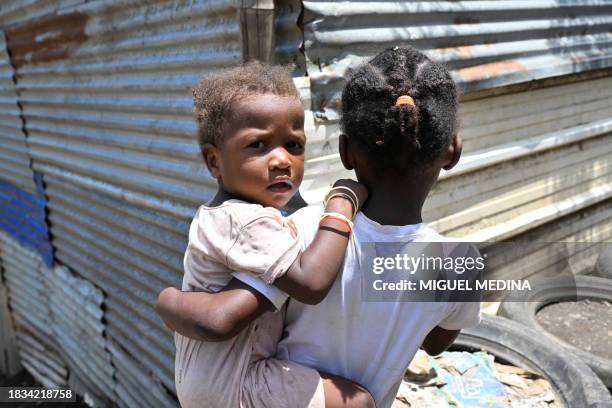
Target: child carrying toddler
x,y
399,123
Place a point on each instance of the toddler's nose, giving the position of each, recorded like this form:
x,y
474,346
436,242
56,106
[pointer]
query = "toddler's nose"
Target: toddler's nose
x,y
279,159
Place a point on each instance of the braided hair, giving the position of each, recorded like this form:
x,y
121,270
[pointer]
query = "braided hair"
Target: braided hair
x,y
405,136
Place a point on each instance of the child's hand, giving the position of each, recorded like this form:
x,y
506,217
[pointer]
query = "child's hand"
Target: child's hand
x,y
359,189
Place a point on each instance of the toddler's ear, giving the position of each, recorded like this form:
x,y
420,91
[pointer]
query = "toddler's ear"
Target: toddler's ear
x,y
210,154
453,152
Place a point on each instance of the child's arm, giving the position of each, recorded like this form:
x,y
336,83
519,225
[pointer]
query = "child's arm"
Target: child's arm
x,y
438,340
211,316
312,274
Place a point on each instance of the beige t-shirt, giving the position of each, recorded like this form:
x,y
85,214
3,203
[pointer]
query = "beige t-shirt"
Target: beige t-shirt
x,y
235,236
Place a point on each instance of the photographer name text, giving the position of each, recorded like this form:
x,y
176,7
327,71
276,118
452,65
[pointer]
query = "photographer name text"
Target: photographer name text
x,y
453,284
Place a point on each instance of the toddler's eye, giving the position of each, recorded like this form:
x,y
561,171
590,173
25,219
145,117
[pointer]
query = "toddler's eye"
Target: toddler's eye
x,y
256,145
295,145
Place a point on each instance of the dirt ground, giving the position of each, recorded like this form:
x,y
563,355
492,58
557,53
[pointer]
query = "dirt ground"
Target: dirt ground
x,y
586,324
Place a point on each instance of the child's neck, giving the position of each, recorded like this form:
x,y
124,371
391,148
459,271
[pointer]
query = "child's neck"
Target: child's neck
x,y
383,208
399,202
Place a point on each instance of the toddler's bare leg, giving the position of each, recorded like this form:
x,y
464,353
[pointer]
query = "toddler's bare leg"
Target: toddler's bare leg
x,y
273,383
342,393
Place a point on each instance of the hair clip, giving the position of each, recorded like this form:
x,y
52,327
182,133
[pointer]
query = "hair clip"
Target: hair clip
x,y
405,100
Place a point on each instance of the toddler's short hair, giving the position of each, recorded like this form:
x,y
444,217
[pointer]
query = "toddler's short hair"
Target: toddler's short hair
x,y
214,94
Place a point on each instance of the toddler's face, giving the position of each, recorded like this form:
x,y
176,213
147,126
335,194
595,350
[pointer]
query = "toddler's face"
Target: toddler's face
x,y
261,157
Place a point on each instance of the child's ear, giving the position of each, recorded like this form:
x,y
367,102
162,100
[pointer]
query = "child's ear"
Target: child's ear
x,y
210,154
453,152
345,152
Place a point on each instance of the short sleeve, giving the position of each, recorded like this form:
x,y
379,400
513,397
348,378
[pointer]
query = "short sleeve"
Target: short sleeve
x,y
462,315
212,232
276,296
264,247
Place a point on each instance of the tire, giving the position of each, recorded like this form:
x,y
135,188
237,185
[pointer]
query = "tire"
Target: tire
x,y
603,266
511,342
582,287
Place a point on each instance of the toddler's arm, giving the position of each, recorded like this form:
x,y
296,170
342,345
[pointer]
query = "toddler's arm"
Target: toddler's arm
x,y
312,274
211,316
220,316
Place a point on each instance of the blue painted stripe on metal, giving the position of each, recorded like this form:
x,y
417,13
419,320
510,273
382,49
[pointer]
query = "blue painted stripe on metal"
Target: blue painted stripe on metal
x,y
23,216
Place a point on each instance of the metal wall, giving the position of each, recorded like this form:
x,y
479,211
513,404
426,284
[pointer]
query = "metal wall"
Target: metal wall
x,y
9,355
288,36
485,43
105,93
76,307
104,89
26,275
61,334
571,243
16,11
529,158
23,216
131,253
534,117
14,159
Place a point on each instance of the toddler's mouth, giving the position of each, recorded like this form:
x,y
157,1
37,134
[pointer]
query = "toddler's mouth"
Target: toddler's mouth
x,y
280,187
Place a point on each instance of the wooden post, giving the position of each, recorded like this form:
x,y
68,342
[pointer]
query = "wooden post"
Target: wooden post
x,y
257,30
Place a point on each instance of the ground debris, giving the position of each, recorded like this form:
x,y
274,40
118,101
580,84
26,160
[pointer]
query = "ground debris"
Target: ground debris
x,y
461,379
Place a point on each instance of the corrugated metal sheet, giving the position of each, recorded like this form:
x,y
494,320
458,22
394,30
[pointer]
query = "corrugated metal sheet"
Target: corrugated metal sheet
x,y
288,35
25,274
14,160
9,354
571,242
61,333
76,307
486,43
105,91
42,362
529,157
16,11
28,295
23,216
135,390
131,253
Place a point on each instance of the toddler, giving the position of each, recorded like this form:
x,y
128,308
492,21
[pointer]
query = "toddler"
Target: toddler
x,y
251,131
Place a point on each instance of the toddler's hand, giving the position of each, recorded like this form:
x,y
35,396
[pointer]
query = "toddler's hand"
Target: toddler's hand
x,y
359,189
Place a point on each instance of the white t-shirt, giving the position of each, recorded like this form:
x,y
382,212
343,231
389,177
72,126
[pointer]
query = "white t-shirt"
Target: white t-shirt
x,y
370,343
